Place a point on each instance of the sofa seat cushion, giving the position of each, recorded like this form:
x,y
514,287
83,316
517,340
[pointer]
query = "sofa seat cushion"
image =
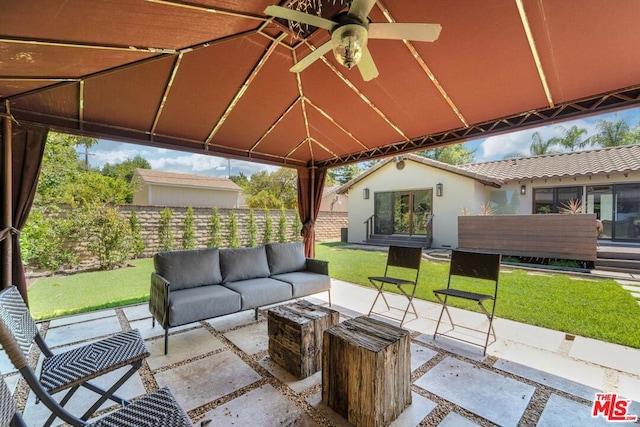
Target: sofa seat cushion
x,y
286,257
190,268
204,302
305,283
243,264
259,292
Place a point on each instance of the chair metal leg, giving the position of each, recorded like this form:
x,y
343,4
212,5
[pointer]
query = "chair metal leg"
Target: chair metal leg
x,y
63,402
166,340
329,292
442,310
109,393
409,304
255,316
379,294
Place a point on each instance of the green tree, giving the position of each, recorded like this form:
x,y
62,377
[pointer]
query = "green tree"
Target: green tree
x,y
282,226
455,154
267,236
125,170
273,190
215,241
241,180
344,174
252,229
540,146
44,239
296,227
573,138
137,242
165,231
233,238
108,236
612,134
188,231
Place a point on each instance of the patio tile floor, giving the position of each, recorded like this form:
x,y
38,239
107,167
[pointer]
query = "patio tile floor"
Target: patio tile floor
x,y
220,371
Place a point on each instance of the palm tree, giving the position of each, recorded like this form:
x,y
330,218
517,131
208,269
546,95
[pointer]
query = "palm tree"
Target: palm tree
x,y
540,147
573,138
612,134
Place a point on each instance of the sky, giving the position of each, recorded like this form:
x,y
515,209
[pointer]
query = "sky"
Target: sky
x,y
487,149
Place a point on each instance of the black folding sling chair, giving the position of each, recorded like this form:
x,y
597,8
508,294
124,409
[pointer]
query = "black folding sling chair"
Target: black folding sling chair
x,y
73,369
159,409
480,267
407,260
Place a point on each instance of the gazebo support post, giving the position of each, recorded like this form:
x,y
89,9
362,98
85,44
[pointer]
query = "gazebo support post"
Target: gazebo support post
x,y
6,211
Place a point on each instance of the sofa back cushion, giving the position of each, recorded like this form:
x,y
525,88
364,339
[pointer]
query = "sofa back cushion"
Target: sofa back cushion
x,y
190,268
286,257
243,264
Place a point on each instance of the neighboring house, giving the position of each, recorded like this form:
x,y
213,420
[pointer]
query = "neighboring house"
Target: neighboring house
x,y
334,202
156,188
399,194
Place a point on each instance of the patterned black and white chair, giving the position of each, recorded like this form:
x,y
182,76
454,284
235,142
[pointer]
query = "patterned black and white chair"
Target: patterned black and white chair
x,y
9,415
158,409
72,369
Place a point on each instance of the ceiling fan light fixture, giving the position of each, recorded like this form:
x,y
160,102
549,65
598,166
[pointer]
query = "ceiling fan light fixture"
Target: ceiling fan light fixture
x,y
349,42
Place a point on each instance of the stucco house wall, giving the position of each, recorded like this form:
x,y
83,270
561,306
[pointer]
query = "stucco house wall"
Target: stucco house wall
x,y
509,187
458,191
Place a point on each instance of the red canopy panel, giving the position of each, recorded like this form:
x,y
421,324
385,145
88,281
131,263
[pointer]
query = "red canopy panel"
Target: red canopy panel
x,y
202,91
137,23
587,47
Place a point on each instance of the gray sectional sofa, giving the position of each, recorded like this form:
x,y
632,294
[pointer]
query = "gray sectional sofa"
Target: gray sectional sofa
x,y
192,285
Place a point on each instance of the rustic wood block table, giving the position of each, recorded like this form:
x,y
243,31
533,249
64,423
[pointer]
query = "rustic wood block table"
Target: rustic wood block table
x,y
295,336
366,375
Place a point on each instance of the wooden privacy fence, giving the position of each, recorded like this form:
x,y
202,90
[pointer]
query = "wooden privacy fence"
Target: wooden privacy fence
x,y
545,235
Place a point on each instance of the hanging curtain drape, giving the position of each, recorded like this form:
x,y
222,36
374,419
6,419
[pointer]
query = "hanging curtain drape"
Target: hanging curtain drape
x,y
27,148
310,188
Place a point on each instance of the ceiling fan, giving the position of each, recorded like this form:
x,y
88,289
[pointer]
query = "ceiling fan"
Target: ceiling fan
x,y
350,32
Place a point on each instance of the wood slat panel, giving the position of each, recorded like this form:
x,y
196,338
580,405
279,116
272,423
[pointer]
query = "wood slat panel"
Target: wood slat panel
x,y
546,236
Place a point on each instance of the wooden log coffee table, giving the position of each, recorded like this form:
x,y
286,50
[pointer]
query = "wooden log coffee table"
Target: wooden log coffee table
x,y
366,375
295,336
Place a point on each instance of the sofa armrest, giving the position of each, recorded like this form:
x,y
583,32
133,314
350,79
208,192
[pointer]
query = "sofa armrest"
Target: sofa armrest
x,y
159,299
318,266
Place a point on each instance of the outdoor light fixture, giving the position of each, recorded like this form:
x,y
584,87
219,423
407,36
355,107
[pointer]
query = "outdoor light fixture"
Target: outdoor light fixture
x,y
523,190
349,42
365,194
439,189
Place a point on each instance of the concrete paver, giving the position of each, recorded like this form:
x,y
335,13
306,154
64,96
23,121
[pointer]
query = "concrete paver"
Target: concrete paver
x,y
209,374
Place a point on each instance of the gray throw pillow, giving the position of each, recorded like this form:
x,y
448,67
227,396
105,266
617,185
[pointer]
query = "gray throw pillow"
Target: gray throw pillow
x,y
243,264
286,257
188,269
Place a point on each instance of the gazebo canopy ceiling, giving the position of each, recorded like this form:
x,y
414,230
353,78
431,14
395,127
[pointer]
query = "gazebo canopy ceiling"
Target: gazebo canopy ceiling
x,y
211,76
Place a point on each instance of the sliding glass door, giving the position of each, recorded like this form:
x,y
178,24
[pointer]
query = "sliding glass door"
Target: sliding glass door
x,y
402,212
618,207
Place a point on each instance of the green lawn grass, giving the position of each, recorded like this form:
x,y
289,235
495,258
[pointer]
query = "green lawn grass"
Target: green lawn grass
x,y
595,308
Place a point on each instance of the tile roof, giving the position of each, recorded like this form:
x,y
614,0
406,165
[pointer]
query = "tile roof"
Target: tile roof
x,y
149,176
574,164
484,179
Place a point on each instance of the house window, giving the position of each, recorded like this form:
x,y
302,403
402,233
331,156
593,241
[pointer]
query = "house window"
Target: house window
x,y
553,200
505,202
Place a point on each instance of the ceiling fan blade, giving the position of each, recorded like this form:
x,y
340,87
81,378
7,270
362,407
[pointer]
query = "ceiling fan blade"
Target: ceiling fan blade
x,y
367,66
401,31
294,15
361,9
309,59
